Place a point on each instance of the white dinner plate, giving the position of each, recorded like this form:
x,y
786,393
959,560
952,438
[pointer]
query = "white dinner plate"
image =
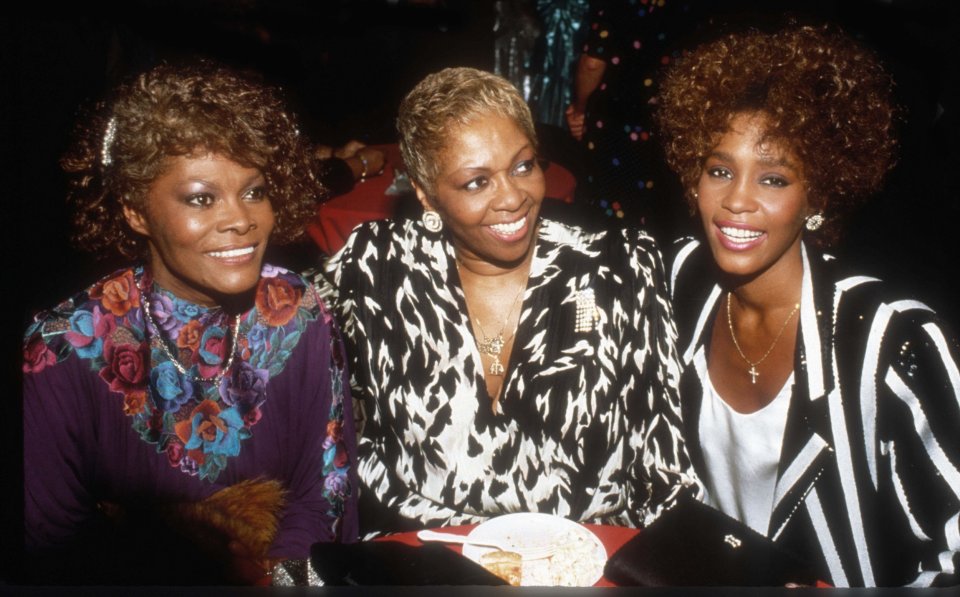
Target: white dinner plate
x,y
577,562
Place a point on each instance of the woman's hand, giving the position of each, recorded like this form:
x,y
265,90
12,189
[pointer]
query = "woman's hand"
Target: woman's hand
x,y
575,120
372,162
322,152
247,568
589,74
349,149
364,161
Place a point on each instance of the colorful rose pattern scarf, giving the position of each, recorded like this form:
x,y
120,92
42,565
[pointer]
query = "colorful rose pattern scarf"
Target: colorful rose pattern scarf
x,y
197,425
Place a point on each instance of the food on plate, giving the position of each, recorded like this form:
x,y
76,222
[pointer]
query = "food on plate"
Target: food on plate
x,y
549,550
505,564
575,561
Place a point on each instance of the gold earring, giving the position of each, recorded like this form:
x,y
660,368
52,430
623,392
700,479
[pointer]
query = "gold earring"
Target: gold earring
x,y
431,221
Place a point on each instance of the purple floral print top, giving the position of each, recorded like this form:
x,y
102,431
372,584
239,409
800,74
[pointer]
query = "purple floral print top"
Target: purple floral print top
x,y
108,415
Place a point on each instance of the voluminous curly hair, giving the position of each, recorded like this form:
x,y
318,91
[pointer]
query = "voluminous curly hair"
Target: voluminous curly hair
x,y
823,97
125,142
453,96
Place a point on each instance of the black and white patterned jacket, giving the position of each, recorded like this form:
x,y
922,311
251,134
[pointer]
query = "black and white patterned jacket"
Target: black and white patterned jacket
x,y
589,427
868,486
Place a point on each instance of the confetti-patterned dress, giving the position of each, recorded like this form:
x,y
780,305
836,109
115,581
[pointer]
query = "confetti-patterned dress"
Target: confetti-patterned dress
x,y
626,177
109,418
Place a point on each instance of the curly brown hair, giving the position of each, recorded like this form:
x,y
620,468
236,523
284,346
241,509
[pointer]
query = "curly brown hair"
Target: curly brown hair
x,y
453,95
823,96
124,142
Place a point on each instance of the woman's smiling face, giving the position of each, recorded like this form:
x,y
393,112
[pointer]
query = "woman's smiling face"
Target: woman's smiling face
x,y
752,200
489,190
207,220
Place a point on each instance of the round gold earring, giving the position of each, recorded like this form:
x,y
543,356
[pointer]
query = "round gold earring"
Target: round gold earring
x,y
431,221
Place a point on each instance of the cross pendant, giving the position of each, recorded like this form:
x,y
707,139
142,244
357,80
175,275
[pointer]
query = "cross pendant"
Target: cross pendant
x,y
754,374
496,367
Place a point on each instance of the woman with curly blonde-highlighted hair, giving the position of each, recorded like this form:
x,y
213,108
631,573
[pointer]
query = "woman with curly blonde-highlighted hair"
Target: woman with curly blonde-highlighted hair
x,y
820,91
124,144
192,408
819,405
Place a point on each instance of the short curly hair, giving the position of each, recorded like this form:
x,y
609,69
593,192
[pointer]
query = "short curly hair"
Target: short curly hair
x,y
823,96
453,95
123,144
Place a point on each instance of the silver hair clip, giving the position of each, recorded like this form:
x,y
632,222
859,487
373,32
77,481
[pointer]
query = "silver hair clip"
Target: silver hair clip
x,y
108,136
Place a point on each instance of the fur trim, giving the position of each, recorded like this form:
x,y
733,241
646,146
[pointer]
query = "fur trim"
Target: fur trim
x,y
247,513
199,540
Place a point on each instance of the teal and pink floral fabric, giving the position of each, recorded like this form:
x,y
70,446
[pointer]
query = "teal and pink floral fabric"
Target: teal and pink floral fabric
x,y
198,426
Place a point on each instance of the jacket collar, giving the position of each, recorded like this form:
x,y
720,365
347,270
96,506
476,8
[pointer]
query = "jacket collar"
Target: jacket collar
x,y
807,444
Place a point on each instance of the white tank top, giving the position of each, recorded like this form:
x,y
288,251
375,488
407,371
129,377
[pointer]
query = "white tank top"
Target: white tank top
x,y
742,452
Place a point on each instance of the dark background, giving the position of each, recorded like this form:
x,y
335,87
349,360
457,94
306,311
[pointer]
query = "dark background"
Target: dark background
x,y
346,64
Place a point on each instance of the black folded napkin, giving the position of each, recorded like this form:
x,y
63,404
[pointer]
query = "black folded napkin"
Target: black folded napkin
x,y
395,563
693,544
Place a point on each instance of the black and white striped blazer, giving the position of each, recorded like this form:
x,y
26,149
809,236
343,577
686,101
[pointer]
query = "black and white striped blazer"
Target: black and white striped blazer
x,y
868,486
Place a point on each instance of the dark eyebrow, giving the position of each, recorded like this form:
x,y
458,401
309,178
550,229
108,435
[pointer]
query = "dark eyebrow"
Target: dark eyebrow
x,y
720,155
522,149
249,182
766,161
516,155
255,180
782,162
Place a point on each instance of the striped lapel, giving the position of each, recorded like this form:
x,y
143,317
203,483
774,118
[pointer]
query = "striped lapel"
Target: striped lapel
x,y
691,387
807,442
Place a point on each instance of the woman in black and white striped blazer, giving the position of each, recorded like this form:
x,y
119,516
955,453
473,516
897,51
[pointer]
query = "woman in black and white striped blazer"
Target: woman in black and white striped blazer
x,y
820,407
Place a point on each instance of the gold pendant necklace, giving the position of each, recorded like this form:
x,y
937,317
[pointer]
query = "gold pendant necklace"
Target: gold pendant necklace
x,y
754,374
493,346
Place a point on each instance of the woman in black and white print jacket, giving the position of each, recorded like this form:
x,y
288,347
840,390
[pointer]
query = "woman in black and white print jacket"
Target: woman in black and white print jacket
x,y
506,362
819,406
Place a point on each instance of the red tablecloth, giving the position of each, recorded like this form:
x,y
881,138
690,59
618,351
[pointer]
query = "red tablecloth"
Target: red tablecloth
x,y
612,537
369,201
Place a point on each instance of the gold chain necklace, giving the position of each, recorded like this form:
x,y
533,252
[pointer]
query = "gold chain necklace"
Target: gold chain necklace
x,y
215,380
493,347
754,374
